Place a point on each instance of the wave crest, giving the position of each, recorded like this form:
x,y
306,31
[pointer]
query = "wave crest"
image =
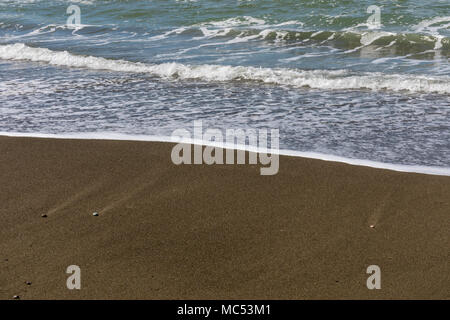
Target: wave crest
x,y
316,79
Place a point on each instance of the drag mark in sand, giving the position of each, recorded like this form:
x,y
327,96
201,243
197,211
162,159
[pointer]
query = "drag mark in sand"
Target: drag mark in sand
x,y
74,198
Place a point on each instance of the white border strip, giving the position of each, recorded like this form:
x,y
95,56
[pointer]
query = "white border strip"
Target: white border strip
x,y
442,171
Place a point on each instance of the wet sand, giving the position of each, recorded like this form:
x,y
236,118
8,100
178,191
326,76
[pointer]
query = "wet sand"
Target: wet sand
x,y
213,232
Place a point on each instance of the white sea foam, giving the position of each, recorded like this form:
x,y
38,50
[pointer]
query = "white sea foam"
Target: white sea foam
x,y
441,171
12,2
368,37
316,79
433,26
233,22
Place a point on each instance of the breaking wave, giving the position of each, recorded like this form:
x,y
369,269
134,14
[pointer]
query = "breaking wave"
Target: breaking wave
x,y
315,79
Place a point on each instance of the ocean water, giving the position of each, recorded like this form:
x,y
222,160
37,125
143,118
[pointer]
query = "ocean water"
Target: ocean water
x,y
341,78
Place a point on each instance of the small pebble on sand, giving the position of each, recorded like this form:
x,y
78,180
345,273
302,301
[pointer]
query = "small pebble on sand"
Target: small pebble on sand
x,y
28,283
372,226
95,214
16,297
44,216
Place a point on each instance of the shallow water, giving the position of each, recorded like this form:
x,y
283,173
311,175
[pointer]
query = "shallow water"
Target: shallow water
x,y
317,70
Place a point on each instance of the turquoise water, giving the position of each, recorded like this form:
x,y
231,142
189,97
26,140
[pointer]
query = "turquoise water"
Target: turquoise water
x,y
331,76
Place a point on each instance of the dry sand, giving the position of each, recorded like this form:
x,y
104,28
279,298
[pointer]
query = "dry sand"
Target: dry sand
x,y
213,232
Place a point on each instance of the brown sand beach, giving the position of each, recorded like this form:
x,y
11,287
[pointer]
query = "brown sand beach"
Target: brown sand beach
x,y
213,232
